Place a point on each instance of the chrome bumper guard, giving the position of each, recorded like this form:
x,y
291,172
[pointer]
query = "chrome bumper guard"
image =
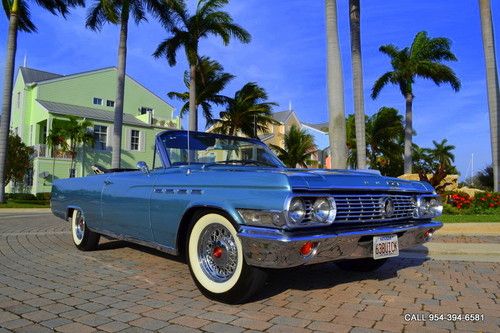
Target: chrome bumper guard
x,y
276,248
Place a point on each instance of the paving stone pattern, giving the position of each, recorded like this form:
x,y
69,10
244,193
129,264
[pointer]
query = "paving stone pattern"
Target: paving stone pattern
x,y
46,284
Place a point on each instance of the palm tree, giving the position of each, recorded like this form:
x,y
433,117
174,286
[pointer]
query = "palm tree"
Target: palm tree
x,y
77,132
207,20
20,20
336,121
56,138
424,60
119,12
442,153
298,148
210,81
357,73
492,85
248,112
384,141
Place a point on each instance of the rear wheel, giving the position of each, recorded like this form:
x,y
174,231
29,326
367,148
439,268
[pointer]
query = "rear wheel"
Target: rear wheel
x,y
361,265
215,259
83,238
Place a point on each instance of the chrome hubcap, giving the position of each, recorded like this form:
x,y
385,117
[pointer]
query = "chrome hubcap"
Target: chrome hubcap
x,y
217,253
79,226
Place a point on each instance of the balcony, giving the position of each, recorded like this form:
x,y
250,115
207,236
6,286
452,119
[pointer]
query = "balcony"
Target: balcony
x,y
41,150
163,123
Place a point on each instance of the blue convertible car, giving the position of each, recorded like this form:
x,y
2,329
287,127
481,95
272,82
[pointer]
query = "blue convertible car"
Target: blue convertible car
x,y
232,209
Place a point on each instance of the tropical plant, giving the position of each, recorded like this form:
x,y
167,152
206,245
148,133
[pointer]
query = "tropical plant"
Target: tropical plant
x,y
18,13
336,119
384,141
424,59
210,81
69,136
77,132
18,159
483,179
357,76
190,29
436,162
299,145
248,112
56,139
118,12
493,86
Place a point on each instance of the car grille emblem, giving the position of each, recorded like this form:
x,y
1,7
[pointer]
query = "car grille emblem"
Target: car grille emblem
x,y
388,207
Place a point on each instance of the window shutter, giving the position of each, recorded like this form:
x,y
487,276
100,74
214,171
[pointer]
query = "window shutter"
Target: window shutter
x,y
128,139
109,137
142,140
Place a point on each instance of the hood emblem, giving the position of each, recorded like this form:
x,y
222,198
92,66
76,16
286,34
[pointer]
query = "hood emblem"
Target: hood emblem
x,y
388,208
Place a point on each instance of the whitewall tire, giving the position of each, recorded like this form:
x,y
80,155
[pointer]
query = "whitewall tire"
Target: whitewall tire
x,y
83,238
216,262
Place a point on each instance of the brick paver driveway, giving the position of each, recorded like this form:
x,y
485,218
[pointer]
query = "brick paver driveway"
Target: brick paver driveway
x,y
47,284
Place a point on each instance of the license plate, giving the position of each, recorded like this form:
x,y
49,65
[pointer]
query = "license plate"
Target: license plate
x,y
385,246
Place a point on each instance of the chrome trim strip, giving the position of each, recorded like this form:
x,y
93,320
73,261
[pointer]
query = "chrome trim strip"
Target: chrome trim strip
x,y
153,245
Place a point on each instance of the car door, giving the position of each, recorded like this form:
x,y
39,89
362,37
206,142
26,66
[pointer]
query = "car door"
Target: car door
x,y
125,204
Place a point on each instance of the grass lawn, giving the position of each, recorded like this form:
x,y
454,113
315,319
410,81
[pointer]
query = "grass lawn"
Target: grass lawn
x,y
25,204
469,218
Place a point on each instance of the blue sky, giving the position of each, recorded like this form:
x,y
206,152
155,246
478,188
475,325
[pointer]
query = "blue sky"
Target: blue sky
x,y
287,56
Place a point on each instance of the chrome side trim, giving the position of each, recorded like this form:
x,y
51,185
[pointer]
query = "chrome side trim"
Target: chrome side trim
x,y
153,245
277,248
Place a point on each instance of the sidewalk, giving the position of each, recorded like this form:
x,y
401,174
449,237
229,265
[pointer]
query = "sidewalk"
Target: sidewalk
x,y
24,210
470,229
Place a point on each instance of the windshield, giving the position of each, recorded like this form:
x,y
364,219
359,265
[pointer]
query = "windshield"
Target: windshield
x,y
215,149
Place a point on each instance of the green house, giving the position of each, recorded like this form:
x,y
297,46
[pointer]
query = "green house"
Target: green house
x,y
42,101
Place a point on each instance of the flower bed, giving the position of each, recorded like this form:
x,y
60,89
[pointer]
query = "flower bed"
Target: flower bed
x,y
462,203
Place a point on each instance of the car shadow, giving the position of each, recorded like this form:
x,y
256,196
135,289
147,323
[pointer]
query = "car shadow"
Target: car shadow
x,y
327,275
113,244
318,276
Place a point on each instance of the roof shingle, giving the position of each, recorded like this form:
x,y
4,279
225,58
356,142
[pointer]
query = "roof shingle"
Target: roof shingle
x,y
86,112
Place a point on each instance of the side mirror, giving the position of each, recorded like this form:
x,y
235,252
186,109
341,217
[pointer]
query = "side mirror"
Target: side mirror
x,y
141,165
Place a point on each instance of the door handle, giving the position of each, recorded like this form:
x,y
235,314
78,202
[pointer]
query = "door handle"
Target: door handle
x,y
108,182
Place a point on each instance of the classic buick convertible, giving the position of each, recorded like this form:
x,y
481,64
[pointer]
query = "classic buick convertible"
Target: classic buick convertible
x,y
231,208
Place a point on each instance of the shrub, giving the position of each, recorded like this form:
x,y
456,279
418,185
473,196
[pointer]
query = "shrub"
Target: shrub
x,y
43,196
487,200
459,200
21,196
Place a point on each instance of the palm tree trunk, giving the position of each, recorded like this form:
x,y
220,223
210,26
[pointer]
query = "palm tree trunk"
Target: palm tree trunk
x,y
336,123
408,133
7,94
120,88
357,72
492,86
193,114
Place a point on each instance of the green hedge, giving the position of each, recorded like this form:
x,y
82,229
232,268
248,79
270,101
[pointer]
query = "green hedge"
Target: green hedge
x,y
45,196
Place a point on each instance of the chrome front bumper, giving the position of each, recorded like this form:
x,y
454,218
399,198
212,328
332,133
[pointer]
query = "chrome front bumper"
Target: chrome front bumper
x,y
276,248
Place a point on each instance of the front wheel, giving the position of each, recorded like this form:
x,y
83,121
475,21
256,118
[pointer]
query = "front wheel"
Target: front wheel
x,y
83,238
361,265
215,259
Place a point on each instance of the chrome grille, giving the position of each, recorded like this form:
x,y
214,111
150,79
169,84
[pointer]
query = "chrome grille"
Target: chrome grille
x,y
367,208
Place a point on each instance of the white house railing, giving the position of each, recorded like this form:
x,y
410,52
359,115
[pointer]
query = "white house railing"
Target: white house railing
x,y
41,150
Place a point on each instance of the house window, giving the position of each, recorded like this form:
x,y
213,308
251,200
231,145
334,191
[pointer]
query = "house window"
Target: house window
x,y
97,101
134,139
145,110
28,177
110,103
72,173
18,100
100,137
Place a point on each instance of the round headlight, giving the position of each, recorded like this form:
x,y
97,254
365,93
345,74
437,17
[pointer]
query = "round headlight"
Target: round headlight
x,y
297,211
324,210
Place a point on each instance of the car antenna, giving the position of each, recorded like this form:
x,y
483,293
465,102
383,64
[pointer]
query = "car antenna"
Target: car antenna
x,y
188,150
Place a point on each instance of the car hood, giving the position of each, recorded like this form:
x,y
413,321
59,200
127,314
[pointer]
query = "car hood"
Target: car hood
x,y
320,179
